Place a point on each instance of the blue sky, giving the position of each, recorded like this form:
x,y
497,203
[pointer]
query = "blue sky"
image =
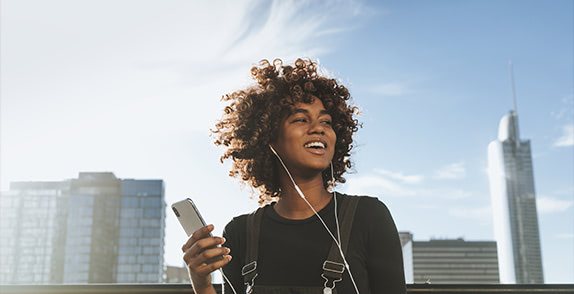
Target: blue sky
x,y
133,87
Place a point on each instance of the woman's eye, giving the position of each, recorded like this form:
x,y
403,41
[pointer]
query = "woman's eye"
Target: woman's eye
x,y
328,122
300,120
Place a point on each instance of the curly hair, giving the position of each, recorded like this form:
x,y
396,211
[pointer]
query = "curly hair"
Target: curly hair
x,y
252,118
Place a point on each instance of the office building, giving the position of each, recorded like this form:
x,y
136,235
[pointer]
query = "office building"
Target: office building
x,y
93,229
449,261
514,205
177,275
33,222
455,262
141,233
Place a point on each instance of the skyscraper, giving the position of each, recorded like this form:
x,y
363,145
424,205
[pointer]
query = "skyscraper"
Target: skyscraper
x,y
141,232
94,229
514,205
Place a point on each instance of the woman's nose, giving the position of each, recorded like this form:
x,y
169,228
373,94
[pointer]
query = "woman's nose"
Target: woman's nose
x,y
317,128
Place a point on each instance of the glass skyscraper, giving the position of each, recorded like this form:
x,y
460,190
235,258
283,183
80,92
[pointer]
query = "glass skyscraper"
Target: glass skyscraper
x,y
514,205
94,229
141,232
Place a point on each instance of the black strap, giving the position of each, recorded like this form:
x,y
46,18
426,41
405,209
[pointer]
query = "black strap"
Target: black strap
x,y
249,271
334,266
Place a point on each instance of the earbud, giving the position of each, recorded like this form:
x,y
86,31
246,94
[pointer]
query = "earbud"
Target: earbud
x,y
332,176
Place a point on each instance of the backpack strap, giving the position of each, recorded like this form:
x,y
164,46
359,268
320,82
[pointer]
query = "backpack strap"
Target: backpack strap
x,y
334,266
249,270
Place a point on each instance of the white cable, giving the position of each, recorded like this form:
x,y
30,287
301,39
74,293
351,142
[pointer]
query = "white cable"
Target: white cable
x,y
338,242
333,237
228,282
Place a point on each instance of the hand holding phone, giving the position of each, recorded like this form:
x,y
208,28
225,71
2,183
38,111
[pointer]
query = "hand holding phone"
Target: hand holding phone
x,y
200,245
190,219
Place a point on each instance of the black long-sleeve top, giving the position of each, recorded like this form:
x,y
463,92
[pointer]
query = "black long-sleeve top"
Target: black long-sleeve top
x,y
292,252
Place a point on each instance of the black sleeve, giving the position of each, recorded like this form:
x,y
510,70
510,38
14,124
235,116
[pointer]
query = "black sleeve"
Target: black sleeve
x,y
385,268
234,234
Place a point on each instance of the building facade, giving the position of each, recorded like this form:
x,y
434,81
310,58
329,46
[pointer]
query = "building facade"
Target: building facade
x,y
177,275
33,222
449,261
455,262
513,200
93,229
141,232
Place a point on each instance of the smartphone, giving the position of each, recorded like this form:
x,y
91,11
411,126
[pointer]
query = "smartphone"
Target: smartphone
x,y
188,216
190,219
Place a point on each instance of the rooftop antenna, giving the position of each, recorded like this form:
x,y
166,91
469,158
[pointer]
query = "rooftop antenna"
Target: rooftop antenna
x,y
514,110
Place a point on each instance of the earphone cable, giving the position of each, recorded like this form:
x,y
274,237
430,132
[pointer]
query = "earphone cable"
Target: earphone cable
x,y
225,277
338,242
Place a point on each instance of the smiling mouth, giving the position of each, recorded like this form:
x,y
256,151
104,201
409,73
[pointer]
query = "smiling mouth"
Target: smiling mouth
x,y
315,145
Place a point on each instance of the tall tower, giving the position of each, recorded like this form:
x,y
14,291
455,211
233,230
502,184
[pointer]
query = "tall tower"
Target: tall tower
x,y
514,204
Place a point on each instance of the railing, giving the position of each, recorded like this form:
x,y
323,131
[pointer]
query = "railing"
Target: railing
x,y
184,288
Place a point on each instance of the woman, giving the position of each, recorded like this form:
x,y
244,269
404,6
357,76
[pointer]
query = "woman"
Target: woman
x,y
290,137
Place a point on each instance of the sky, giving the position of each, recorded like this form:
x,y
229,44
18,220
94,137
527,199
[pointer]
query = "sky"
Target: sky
x,y
133,87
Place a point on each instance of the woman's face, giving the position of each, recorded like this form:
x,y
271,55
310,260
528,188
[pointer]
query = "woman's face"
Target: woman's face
x,y
306,139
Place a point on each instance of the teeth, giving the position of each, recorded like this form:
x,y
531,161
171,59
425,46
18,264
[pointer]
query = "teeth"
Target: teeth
x,y
315,145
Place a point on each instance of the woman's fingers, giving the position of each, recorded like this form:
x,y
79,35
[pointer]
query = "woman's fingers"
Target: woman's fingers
x,y
203,250
196,236
208,268
202,255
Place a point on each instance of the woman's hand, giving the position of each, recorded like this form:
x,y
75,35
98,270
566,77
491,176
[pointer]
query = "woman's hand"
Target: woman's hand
x,y
198,249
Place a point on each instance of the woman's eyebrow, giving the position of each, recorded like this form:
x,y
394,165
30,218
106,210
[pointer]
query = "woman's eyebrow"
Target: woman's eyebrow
x,y
301,110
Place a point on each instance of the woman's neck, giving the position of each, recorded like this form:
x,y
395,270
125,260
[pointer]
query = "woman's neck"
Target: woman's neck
x,y
290,204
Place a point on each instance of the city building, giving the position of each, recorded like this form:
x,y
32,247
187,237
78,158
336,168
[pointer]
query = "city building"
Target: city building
x,y
33,222
514,205
177,275
407,248
93,229
449,261
141,232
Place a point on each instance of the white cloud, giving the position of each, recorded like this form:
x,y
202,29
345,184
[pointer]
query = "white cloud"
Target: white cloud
x,y
391,89
390,183
567,110
551,205
567,138
565,236
452,194
376,185
564,191
483,213
452,171
407,179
